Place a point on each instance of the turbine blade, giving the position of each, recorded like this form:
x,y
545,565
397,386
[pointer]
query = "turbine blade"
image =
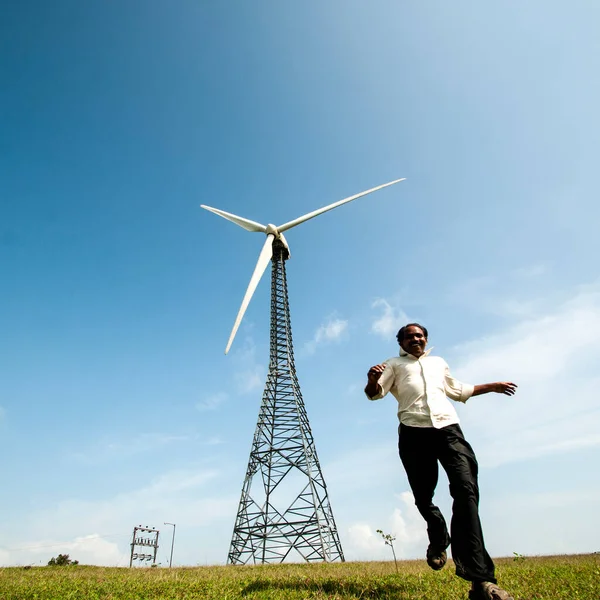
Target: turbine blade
x,y
263,260
320,211
245,223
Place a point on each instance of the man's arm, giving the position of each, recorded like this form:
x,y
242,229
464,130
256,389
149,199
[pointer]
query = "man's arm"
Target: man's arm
x,y
500,387
373,388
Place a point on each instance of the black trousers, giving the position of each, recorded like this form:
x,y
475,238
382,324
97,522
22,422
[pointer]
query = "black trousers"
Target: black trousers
x,y
420,450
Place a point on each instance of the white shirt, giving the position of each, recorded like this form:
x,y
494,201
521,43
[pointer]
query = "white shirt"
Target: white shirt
x,y
422,387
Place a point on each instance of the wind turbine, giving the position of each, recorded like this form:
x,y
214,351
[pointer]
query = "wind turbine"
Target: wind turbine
x,y
285,512
273,232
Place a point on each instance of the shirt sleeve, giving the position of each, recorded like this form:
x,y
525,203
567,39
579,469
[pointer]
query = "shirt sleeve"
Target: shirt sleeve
x,y
385,382
456,390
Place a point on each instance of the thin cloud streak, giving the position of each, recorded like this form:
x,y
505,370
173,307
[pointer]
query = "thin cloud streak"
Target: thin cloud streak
x,y
212,402
332,330
551,357
248,373
187,494
390,319
119,449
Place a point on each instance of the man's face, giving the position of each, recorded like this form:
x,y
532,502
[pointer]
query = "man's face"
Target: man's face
x,y
414,341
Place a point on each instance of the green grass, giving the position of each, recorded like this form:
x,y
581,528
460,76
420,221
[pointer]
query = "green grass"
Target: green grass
x,y
527,578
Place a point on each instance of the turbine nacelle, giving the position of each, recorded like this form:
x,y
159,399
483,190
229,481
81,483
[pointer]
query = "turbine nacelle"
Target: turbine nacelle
x,y
271,229
273,232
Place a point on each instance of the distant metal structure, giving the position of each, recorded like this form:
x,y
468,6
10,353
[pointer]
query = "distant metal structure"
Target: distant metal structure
x,y
144,537
284,510
172,543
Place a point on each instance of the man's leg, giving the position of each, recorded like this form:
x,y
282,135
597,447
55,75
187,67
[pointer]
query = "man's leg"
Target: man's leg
x,y
473,563
417,452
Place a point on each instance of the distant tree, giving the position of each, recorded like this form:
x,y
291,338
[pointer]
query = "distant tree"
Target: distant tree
x,y
62,560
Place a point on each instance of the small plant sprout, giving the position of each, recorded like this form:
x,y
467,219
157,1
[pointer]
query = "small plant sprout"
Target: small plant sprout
x,y
388,538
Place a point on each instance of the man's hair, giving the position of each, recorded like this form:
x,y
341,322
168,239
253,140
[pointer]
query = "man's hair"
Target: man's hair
x,y
401,332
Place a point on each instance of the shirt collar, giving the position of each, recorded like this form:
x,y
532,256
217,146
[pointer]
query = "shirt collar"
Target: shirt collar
x,y
404,353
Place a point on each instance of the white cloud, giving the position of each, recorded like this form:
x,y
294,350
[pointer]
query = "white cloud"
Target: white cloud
x,y
213,441
190,497
211,402
390,319
405,524
553,358
163,494
250,379
375,464
530,293
408,526
543,522
331,331
118,449
354,388
177,481
531,271
363,539
249,374
90,549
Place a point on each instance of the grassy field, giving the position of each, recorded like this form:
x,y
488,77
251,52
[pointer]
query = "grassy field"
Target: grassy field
x,y
536,578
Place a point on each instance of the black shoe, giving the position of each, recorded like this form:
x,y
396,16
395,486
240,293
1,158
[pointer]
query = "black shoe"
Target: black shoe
x,y
436,559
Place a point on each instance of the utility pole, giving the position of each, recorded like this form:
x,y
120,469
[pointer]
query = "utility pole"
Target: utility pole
x,y
172,544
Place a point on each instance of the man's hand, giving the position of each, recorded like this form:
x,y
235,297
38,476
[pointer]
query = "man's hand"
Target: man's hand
x,y
500,387
505,387
375,373
373,388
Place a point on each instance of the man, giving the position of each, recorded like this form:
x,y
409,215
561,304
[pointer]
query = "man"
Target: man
x,y
429,432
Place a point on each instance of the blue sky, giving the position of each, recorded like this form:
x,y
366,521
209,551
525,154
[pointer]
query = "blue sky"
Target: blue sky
x,y
117,404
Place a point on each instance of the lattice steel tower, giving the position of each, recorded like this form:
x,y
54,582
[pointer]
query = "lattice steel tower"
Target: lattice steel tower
x,y
284,510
